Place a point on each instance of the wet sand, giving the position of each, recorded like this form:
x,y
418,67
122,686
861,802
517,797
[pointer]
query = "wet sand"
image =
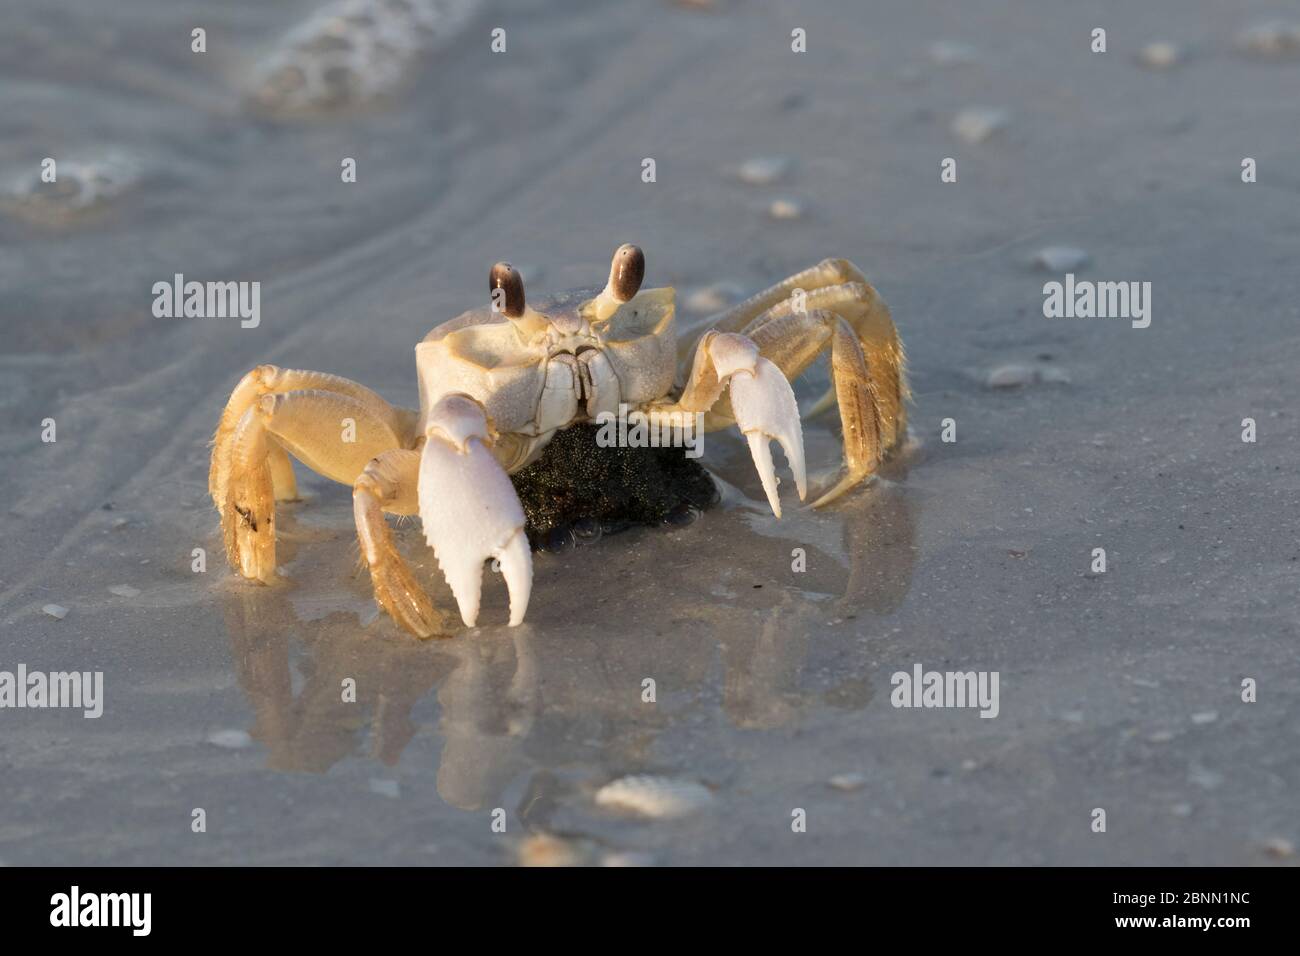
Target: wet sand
x,y
1119,690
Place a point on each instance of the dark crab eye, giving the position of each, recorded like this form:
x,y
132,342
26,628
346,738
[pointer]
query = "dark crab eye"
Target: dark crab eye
x,y
510,299
626,272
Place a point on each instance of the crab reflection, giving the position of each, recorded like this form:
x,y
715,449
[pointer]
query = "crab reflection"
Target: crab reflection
x,y
532,701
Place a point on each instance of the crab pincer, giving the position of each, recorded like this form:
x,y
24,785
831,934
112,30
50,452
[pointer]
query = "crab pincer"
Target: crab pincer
x,y
765,408
469,508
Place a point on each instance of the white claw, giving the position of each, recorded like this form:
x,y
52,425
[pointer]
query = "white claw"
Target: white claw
x,y
517,569
470,510
761,448
765,408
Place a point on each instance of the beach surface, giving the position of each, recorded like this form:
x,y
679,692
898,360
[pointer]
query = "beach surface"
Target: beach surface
x,y
1119,690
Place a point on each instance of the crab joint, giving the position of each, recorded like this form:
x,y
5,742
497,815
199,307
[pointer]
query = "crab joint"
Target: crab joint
x,y
455,419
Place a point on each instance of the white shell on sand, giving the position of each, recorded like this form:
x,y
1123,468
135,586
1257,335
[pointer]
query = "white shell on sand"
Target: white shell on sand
x,y
1279,847
1160,55
1011,376
661,798
1060,258
785,208
545,849
56,611
124,590
847,782
977,124
762,170
230,739
1016,374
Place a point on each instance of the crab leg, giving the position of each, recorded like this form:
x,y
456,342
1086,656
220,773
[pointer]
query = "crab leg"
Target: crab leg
x,y
469,508
270,380
738,318
330,432
793,341
389,484
860,306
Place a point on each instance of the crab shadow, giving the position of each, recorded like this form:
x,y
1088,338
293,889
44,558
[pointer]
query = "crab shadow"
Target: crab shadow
x,y
742,648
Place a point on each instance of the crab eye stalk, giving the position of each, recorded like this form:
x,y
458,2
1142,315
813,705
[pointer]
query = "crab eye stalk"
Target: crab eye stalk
x,y
626,272
510,297
625,275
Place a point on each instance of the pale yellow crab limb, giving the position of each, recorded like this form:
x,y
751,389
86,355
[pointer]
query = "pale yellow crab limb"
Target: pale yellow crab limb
x,y
792,341
469,507
860,407
861,306
388,484
334,434
282,478
267,380
828,272
761,401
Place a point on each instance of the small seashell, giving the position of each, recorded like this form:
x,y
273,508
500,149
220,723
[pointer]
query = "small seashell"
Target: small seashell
x,y
848,782
124,590
230,739
661,798
977,124
1011,376
949,53
627,858
1160,55
385,788
1205,717
715,297
56,611
1279,847
763,170
1271,38
544,849
1060,258
785,209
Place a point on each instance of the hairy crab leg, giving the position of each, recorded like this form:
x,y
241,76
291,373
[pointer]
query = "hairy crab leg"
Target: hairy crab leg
x,y
332,433
858,304
269,380
389,485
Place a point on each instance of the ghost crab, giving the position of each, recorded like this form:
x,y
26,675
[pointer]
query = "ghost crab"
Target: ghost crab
x,y
498,382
